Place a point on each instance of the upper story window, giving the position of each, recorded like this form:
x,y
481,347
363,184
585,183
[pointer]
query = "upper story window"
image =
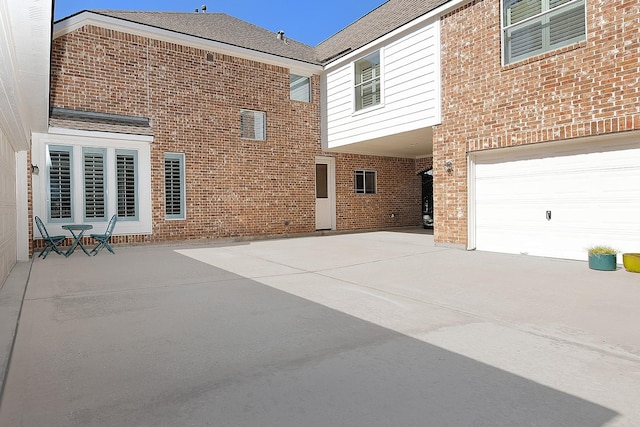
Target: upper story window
x,y
253,124
532,27
367,81
300,88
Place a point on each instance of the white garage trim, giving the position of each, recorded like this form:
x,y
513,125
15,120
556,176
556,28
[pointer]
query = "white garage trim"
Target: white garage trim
x,y
590,186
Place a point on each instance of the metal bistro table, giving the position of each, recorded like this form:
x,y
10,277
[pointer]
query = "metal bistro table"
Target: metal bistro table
x,y
77,231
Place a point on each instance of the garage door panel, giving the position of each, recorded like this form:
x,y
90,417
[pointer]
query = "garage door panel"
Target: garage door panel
x,y
593,197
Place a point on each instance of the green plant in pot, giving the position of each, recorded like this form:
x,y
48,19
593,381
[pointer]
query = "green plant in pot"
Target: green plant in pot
x,y
602,258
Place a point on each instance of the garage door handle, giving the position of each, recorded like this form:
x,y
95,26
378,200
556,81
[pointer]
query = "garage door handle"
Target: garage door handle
x,y
548,215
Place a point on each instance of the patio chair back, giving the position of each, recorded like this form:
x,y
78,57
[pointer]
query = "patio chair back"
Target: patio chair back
x,y
103,239
51,243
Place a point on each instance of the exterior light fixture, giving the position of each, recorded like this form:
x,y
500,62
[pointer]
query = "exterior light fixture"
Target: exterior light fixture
x,y
35,170
448,166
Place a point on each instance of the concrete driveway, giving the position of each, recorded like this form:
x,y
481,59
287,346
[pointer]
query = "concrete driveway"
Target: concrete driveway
x,y
370,329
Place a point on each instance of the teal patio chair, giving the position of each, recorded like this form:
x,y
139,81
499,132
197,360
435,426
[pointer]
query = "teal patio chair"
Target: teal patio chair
x,y
103,239
51,243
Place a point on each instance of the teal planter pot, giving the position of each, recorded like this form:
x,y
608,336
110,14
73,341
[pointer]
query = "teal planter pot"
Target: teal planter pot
x,y
603,262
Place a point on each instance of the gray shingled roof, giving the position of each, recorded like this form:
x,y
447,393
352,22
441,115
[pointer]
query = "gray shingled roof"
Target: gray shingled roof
x,y
222,28
380,21
226,29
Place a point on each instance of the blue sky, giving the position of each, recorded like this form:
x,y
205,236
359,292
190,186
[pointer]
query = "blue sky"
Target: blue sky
x,y
309,23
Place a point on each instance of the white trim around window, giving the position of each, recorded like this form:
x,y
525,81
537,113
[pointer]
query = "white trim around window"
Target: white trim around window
x,y
110,147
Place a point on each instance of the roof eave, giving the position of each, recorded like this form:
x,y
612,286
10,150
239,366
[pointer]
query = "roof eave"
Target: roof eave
x,y
83,18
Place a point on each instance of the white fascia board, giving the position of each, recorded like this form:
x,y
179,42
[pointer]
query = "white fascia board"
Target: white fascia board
x,y
89,18
407,28
100,135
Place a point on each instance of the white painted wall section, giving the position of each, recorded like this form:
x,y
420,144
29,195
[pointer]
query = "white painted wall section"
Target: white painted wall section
x,y
7,207
410,90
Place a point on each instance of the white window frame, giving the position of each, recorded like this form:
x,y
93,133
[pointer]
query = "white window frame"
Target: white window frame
x,y
543,19
299,88
375,81
364,173
76,141
179,157
258,120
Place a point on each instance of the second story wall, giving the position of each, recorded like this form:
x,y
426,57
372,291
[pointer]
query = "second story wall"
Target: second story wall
x,y
591,87
410,89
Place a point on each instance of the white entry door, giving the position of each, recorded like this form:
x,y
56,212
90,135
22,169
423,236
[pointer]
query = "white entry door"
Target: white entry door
x,y
556,200
325,193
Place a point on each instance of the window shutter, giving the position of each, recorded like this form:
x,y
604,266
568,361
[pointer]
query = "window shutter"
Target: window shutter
x,y
526,40
300,88
173,186
567,26
126,182
252,124
60,184
94,194
519,10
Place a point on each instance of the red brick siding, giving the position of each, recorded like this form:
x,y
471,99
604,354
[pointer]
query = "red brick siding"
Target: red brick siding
x,y
234,187
398,192
590,88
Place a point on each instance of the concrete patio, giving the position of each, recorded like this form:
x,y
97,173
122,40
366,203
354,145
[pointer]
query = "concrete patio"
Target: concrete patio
x,y
366,329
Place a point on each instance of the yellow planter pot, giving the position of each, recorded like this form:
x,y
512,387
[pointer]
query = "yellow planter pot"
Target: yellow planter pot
x,y
631,262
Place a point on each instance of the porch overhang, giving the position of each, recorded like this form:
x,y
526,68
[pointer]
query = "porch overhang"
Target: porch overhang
x,y
413,144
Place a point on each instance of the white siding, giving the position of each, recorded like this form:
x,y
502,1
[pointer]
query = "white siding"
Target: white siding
x,y
7,207
410,91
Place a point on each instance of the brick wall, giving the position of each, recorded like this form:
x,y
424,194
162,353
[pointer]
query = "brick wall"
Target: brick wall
x,y
234,187
590,88
397,199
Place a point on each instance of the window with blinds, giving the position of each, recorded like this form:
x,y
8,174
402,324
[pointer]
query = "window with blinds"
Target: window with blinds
x,y
94,184
174,192
253,124
367,81
60,201
299,88
127,186
364,182
532,27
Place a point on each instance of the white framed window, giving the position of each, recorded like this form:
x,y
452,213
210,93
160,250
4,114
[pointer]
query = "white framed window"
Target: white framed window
x,y
253,124
532,27
87,176
368,91
174,183
364,182
299,88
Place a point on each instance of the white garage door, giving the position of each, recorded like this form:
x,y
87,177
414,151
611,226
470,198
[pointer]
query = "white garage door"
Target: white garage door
x,y
557,199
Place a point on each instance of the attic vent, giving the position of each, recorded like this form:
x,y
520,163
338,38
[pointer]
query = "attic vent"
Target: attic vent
x,y
209,56
280,35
